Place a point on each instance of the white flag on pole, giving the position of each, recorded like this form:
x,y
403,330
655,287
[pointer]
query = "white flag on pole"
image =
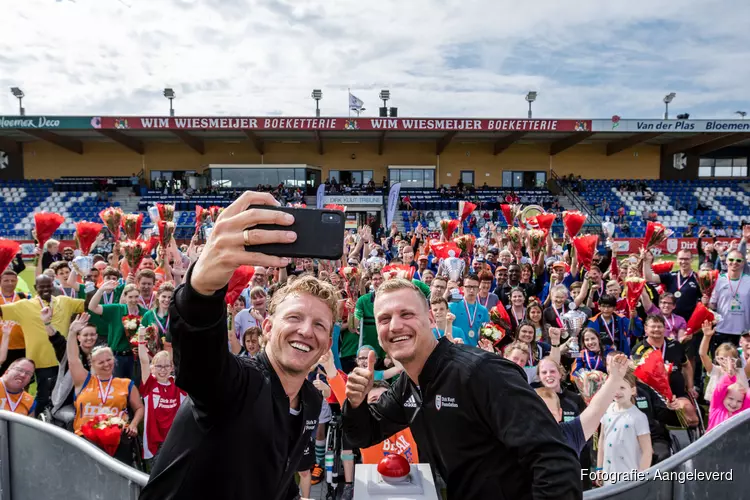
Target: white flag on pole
x,y
355,103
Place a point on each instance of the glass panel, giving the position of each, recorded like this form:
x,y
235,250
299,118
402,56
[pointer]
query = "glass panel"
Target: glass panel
x,y
722,171
541,179
740,162
707,162
739,171
467,176
357,177
429,178
334,175
723,162
406,178
507,178
366,176
517,179
704,171
394,176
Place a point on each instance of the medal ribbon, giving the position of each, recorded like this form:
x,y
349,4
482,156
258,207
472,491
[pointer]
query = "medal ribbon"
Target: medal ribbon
x,y
670,325
108,298
143,302
559,317
6,299
734,293
11,404
598,360
486,301
472,319
523,314
104,391
163,327
610,330
680,284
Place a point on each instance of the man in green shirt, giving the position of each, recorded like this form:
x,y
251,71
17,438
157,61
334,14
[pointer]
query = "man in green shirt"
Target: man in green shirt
x,y
111,315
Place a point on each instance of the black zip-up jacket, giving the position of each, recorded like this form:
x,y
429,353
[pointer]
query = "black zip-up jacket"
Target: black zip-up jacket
x,y
233,437
478,422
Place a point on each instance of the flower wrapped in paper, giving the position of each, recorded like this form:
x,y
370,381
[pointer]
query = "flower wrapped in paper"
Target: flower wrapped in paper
x,y
350,275
46,223
333,206
238,282
651,370
87,232
112,218
166,232
573,220
499,315
515,236
104,431
448,227
202,216
655,235
153,213
166,211
707,281
151,337
8,251
634,288
135,251
465,243
465,209
445,249
511,212
589,382
132,224
491,332
131,323
402,271
662,267
700,314
544,222
215,212
585,247
537,239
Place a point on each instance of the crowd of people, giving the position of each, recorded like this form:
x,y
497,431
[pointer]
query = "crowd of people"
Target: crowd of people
x,y
391,338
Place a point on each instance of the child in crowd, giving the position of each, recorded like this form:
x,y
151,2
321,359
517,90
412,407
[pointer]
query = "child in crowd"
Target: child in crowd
x,y
625,437
728,399
726,362
594,354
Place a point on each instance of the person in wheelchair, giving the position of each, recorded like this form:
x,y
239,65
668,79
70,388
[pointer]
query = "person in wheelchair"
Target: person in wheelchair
x,y
99,392
62,413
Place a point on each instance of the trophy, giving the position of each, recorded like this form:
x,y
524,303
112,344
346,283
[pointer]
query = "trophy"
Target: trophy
x,y
83,265
574,321
454,266
608,228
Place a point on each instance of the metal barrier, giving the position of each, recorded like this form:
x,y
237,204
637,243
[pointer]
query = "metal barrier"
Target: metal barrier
x,y
39,460
723,450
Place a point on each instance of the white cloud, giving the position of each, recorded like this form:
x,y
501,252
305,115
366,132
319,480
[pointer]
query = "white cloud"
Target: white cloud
x,y
438,57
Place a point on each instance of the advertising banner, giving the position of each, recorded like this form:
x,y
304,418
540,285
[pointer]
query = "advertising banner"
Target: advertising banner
x,y
352,200
670,246
616,124
49,122
393,201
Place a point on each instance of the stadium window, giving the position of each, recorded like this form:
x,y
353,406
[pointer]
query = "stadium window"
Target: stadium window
x,y
412,177
705,171
467,177
507,179
541,179
722,167
334,175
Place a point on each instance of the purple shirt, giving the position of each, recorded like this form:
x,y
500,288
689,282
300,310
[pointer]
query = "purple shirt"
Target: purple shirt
x,y
672,325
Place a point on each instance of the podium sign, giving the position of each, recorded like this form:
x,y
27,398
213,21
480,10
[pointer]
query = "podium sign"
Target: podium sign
x,y
369,484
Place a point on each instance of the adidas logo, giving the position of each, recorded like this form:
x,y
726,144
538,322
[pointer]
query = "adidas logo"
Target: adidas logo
x,y
411,402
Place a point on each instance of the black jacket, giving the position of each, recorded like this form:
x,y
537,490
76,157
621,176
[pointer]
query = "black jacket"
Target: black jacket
x,y
233,438
653,406
480,425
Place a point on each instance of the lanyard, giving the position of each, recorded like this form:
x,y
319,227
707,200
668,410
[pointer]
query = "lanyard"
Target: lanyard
x,y
598,360
104,391
558,314
670,325
108,298
163,327
11,404
143,302
72,293
472,319
6,299
610,331
680,284
486,301
437,333
734,293
523,314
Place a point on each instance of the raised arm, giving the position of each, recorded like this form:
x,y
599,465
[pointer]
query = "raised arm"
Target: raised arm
x,y
592,415
95,305
143,355
708,332
77,371
7,327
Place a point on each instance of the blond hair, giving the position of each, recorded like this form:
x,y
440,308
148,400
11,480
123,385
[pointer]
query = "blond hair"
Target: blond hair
x,y
161,354
166,287
257,291
550,395
50,242
520,346
396,284
130,287
727,350
309,285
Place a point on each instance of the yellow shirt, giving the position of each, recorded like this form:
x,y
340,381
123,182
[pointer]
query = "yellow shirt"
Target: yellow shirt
x,y
27,313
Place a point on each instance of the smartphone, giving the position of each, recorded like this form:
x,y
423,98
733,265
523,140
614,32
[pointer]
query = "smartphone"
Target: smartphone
x,y
320,234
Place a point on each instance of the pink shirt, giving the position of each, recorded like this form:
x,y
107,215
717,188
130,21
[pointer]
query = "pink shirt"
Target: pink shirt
x,y
717,412
672,325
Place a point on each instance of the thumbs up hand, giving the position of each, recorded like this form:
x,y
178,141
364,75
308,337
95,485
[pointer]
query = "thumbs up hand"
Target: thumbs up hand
x,y
360,382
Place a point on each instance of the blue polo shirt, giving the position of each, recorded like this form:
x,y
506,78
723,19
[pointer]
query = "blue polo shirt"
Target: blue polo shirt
x,y
479,316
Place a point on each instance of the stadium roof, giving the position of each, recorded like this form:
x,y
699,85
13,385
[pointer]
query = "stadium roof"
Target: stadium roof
x,y
69,132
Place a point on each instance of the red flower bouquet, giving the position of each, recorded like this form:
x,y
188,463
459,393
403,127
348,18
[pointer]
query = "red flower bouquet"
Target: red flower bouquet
x,y
135,251
511,212
202,216
491,332
635,288
537,238
465,208
707,281
585,246
215,212
332,206
662,267
240,279
151,339
573,220
545,221
466,243
131,323
655,235
87,232
8,251
112,218
498,315
104,431
651,371
403,271
514,235
700,314
443,249
589,382
131,224
166,212
448,226
166,232
46,224
350,276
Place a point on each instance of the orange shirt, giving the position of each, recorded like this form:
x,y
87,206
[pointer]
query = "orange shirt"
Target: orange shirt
x,y
402,443
16,334
22,403
88,402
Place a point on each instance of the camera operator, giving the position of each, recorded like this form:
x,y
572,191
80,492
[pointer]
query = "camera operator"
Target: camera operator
x,y
243,430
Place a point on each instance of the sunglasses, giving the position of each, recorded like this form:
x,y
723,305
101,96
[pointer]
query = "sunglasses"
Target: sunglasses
x,y
735,261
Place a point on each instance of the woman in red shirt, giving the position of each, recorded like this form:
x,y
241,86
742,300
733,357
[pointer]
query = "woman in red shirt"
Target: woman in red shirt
x,y
161,396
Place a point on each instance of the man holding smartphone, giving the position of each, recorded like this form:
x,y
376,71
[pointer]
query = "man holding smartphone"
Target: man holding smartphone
x,y
242,432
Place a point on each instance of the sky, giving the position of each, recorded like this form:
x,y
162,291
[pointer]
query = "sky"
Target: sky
x,y
467,58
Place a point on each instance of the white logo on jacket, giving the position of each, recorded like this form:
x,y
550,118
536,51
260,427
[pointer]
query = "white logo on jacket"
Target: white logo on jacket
x,y
445,401
411,402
